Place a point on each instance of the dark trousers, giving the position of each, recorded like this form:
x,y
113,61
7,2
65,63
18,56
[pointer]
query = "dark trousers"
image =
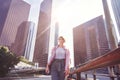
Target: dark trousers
x,y
57,69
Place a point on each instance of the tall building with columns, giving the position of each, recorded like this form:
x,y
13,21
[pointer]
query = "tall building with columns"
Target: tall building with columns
x,y
43,34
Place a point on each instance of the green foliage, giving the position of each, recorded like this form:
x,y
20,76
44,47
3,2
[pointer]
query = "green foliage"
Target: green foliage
x,y
7,61
21,58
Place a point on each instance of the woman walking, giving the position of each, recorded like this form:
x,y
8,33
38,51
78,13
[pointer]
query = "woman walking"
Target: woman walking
x,y
59,61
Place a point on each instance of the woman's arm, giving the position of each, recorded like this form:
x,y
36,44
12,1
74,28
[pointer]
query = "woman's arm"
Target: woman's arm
x,y
50,60
67,61
51,56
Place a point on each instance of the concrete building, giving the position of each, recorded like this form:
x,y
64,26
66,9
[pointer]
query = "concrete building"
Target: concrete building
x,y
43,34
90,40
80,53
12,14
18,47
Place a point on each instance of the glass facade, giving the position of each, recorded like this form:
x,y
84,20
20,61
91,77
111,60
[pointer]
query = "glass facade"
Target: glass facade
x,y
90,40
43,33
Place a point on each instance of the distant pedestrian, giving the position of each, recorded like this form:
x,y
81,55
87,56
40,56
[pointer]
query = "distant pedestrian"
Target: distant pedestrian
x,y
59,61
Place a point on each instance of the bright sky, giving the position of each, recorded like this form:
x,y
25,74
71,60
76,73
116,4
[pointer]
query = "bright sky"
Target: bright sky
x,y
73,13
34,11
69,14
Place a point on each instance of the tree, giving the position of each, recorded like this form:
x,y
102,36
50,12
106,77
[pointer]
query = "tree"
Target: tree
x,y
7,61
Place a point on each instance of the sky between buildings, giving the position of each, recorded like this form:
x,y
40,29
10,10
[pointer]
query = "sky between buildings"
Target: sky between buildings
x,y
69,13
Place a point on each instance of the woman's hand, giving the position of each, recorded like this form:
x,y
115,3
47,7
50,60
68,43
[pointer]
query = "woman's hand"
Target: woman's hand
x,y
67,72
47,70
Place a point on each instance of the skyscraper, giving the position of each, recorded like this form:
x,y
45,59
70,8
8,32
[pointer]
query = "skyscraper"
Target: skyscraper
x,y
90,40
80,52
12,14
109,26
113,6
43,33
18,47
28,54
4,7
116,11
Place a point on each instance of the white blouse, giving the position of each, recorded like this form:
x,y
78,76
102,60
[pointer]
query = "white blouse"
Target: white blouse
x,y
60,53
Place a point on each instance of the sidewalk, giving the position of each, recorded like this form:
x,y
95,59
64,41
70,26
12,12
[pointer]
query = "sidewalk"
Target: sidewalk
x,y
36,77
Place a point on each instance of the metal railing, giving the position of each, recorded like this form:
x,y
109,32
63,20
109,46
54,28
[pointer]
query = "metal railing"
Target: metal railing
x,y
109,60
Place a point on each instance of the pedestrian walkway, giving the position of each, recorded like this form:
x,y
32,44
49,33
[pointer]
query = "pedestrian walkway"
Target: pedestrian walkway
x,y
35,77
